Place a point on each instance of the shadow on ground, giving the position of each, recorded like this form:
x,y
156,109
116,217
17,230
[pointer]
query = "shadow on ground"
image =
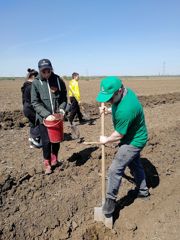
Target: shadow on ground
x,y
152,178
83,156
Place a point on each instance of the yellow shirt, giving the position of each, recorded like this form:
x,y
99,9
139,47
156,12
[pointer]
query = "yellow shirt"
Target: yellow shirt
x,y
74,89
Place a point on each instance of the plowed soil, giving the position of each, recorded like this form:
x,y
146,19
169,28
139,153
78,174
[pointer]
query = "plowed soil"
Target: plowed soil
x,y
60,206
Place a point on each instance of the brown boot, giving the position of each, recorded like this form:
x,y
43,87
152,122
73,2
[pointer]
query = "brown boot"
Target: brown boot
x,y
47,167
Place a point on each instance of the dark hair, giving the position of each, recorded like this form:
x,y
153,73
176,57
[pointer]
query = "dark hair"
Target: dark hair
x,y
75,74
31,72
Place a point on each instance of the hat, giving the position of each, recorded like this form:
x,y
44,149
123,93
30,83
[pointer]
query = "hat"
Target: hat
x,y
108,87
44,64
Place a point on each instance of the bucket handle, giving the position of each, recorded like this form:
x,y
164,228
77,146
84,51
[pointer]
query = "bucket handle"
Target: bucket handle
x,y
46,125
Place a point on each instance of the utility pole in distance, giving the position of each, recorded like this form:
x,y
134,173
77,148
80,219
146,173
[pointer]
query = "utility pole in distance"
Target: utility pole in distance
x,y
164,68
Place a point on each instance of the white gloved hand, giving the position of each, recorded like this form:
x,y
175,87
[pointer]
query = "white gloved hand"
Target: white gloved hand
x,y
105,110
61,111
50,118
103,139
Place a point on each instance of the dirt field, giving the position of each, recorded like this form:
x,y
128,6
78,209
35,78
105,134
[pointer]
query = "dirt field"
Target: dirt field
x,y
10,90
60,206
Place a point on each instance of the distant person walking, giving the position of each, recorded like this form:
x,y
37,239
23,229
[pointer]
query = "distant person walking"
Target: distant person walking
x,y
75,97
48,96
28,109
131,133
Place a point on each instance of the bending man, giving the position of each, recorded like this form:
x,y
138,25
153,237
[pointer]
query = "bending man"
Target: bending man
x,y
131,133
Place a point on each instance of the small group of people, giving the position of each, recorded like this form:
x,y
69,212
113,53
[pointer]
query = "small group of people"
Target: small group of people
x,y
44,93
48,95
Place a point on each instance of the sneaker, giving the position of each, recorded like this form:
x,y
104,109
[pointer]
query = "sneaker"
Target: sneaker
x,y
109,206
31,146
36,142
143,193
47,167
54,161
30,139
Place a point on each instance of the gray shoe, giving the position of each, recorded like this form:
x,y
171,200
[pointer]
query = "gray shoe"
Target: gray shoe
x,y
109,206
143,193
35,142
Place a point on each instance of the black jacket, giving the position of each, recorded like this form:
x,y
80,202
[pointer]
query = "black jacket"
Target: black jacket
x,y
26,100
26,92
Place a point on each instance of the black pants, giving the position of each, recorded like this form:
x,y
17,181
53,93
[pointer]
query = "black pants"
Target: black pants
x,y
31,115
35,132
75,109
47,146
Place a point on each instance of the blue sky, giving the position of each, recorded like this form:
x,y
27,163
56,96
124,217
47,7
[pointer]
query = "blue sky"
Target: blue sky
x,y
92,37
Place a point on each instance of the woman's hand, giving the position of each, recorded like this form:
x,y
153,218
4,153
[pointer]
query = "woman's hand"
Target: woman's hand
x,y
51,118
61,111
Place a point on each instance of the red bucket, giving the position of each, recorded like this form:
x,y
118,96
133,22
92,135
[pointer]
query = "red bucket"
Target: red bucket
x,y
55,129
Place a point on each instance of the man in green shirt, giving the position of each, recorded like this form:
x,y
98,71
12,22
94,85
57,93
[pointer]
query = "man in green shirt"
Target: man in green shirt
x,y
131,133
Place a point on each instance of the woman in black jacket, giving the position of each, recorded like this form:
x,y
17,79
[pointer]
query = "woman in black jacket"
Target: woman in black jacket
x,y
29,110
48,96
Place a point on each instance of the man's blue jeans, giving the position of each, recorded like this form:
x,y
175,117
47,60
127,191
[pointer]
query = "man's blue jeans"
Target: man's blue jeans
x,y
127,155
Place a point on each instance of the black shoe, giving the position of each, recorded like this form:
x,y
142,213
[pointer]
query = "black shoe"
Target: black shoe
x,y
82,121
138,193
109,206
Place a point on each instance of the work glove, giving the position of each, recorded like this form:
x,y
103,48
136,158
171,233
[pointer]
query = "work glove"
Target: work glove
x,y
61,111
50,118
103,139
105,109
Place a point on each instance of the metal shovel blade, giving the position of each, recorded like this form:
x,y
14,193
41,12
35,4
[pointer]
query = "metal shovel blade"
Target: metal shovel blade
x,y
100,217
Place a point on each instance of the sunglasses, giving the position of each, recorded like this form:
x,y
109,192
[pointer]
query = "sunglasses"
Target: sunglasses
x,y
46,71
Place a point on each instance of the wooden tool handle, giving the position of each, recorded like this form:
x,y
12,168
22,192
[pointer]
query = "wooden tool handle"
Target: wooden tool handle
x,y
92,143
103,156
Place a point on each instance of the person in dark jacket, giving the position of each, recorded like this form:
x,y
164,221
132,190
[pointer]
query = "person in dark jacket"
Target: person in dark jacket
x,y
28,109
48,96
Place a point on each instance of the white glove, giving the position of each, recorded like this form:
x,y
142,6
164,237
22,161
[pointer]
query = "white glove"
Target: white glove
x,y
103,139
50,118
61,111
105,110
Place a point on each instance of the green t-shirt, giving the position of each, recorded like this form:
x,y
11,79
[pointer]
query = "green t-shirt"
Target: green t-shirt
x,y
128,120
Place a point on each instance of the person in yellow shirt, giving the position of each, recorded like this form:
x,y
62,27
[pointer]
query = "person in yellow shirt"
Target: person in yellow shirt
x,y
75,97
